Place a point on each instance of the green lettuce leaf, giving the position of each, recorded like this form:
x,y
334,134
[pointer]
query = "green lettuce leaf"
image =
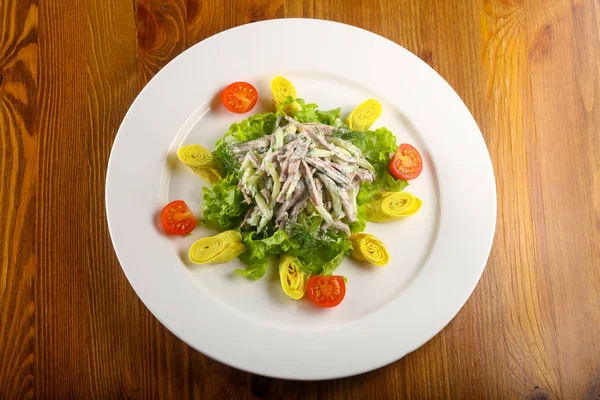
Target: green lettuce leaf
x,y
251,128
384,182
318,252
258,251
307,112
380,146
255,268
331,117
330,266
361,224
223,204
378,149
310,113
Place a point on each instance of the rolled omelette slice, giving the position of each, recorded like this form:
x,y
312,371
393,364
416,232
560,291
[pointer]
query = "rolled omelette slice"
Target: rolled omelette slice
x,y
293,280
281,89
363,116
201,161
391,206
211,176
217,249
366,247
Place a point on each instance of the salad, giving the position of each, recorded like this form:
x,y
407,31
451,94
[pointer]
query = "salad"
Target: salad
x,y
297,185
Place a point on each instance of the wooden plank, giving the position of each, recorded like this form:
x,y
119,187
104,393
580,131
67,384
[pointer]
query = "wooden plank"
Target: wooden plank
x,y
563,52
510,338
18,175
84,93
63,309
114,330
299,9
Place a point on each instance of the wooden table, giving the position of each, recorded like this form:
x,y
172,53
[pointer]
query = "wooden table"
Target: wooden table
x,y
70,323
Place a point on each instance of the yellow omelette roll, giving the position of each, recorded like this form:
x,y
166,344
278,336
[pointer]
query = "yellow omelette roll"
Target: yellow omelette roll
x,y
363,116
392,205
282,89
368,248
217,249
194,155
293,280
211,176
201,161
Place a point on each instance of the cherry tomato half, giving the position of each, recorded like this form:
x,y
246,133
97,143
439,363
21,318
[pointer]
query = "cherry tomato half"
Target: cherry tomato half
x,y
176,218
326,291
406,163
239,97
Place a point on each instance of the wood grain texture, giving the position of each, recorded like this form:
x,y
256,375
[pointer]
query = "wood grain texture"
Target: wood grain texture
x,y
72,327
18,175
161,34
112,66
62,330
563,53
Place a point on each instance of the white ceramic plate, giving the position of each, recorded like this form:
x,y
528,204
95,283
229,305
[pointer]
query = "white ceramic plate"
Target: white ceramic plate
x,y
437,255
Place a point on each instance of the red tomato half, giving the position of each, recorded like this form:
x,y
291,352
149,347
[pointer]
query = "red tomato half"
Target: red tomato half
x,y
406,163
176,218
326,291
239,97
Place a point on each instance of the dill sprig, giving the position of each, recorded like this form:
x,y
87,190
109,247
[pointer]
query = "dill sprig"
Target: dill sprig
x,y
357,138
229,164
308,238
305,237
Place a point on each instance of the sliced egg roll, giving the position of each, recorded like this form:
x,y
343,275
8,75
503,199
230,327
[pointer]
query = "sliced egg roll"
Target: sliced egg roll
x,y
211,176
363,116
201,161
282,89
366,247
293,280
392,205
217,249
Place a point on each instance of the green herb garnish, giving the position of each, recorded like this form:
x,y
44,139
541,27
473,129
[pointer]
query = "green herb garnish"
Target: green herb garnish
x,y
228,163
